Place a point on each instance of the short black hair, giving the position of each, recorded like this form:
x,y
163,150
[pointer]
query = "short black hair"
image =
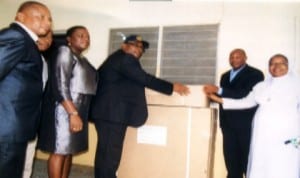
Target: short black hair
x,y
72,29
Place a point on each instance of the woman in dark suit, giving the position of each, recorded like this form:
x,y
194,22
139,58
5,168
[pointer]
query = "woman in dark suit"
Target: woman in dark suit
x,y
64,126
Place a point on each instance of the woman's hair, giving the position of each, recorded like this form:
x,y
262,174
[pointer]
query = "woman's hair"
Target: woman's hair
x,y
71,30
281,56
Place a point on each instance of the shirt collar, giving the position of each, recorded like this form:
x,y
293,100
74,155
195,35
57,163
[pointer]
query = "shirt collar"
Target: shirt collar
x,y
30,32
239,69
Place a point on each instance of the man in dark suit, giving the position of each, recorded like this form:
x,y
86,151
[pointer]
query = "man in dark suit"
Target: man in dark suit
x,y
236,124
120,101
21,84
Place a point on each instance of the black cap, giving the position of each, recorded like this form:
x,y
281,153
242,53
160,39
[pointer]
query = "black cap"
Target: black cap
x,y
136,38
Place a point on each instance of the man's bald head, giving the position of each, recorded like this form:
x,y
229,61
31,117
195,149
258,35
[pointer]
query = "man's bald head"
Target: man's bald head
x,y
35,16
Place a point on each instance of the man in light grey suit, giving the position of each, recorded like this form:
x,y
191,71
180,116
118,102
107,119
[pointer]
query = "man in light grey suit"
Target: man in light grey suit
x,y
21,84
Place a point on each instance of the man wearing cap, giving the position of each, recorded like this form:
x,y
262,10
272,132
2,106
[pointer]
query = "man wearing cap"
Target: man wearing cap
x,y
120,101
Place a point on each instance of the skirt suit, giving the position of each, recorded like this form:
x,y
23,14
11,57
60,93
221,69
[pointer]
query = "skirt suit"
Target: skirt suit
x,y
72,78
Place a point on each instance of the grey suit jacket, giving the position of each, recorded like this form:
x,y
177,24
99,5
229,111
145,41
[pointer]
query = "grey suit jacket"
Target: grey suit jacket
x,y
74,74
21,85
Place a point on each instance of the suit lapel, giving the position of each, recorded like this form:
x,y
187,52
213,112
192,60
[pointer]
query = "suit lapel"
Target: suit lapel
x,y
30,42
239,75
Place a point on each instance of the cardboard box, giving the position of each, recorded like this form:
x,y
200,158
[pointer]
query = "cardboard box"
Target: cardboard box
x,y
197,98
175,142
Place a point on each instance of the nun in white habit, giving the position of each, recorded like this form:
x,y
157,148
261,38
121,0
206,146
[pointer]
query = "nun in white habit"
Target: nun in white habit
x,y
276,121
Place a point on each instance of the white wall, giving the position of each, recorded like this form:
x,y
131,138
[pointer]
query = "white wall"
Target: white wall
x,y
261,28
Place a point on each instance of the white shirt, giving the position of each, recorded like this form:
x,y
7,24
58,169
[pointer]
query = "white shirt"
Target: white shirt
x,y
45,72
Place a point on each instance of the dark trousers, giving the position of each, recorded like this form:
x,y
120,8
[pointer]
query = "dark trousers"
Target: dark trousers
x,y
12,158
109,148
236,143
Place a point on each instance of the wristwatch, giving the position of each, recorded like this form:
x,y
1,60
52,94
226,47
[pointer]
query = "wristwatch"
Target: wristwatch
x,y
75,113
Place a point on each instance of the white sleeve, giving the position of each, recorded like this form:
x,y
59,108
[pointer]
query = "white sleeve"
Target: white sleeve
x,y
243,103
